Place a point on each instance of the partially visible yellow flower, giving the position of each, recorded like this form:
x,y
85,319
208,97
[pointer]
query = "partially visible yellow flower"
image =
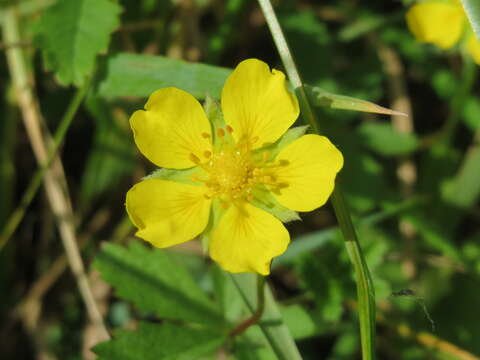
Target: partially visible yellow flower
x,y
235,175
443,23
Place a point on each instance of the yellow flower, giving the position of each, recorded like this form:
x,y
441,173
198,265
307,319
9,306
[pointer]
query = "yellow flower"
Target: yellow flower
x,y
442,22
227,174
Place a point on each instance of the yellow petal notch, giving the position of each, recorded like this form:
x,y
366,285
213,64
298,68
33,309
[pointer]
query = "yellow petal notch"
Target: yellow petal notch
x,y
172,127
257,104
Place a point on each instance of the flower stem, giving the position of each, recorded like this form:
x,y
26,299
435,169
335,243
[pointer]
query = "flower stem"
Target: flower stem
x,y
365,290
256,316
472,9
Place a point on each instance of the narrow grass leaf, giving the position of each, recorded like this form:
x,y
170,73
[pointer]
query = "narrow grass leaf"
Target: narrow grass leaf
x,y
472,8
320,97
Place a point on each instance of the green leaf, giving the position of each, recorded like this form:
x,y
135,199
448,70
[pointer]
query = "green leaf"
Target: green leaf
x,y
472,8
111,155
153,282
320,97
383,138
470,112
140,75
432,234
300,322
160,342
307,243
464,189
72,33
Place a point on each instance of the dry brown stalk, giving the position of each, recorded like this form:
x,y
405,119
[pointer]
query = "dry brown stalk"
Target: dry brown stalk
x,y
57,193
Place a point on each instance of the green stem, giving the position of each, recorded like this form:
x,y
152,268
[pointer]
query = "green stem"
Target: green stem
x,y
365,290
472,9
32,188
257,315
276,333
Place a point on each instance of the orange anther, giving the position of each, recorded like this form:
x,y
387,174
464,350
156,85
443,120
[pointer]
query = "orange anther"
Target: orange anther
x,y
229,129
205,135
221,132
207,154
194,159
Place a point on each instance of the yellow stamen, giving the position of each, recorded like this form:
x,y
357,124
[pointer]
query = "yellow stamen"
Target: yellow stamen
x,y
268,179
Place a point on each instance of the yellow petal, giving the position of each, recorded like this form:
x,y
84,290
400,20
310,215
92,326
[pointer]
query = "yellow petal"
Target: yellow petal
x,y
257,104
473,47
171,129
247,238
436,22
307,175
167,213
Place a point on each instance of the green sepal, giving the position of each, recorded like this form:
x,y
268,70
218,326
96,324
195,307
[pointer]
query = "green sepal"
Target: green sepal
x,y
216,212
183,176
214,114
264,199
290,136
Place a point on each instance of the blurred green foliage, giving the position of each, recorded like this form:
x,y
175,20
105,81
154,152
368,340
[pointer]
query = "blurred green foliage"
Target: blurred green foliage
x,y
418,226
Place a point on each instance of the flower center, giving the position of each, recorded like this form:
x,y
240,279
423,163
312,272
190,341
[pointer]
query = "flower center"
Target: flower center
x,y
229,170
233,171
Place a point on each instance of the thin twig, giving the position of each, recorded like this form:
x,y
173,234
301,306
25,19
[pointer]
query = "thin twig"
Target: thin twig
x,y
58,199
41,286
29,194
406,169
433,342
